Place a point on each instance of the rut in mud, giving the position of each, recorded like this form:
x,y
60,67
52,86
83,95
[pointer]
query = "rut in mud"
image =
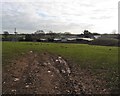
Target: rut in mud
x,y
48,74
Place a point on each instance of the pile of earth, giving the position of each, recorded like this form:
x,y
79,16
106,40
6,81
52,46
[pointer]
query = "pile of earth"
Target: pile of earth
x,y
47,73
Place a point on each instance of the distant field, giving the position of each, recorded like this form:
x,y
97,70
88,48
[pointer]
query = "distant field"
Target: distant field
x,y
97,58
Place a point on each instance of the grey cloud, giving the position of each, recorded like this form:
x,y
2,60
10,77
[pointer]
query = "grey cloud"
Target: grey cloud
x,y
53,15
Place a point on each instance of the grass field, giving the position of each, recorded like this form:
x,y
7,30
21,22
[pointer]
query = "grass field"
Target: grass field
x,y
99,59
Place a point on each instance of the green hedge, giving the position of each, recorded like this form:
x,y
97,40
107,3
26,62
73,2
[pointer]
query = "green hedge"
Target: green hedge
x,y
105,42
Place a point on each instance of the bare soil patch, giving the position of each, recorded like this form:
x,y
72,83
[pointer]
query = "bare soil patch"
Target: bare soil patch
x,y
46,73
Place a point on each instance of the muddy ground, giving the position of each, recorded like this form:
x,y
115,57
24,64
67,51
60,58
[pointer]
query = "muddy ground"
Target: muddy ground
x,y
46,73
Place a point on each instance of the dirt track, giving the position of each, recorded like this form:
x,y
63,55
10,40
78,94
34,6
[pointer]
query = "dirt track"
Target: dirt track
x,y
48,74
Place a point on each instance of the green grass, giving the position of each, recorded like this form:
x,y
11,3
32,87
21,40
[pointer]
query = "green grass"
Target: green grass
x,y
96,58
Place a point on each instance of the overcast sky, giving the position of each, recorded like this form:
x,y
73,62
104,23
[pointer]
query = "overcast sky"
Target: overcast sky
x,y
73,16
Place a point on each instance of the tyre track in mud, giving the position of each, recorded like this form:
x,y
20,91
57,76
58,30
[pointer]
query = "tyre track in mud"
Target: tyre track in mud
x,y
40,74
45,74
